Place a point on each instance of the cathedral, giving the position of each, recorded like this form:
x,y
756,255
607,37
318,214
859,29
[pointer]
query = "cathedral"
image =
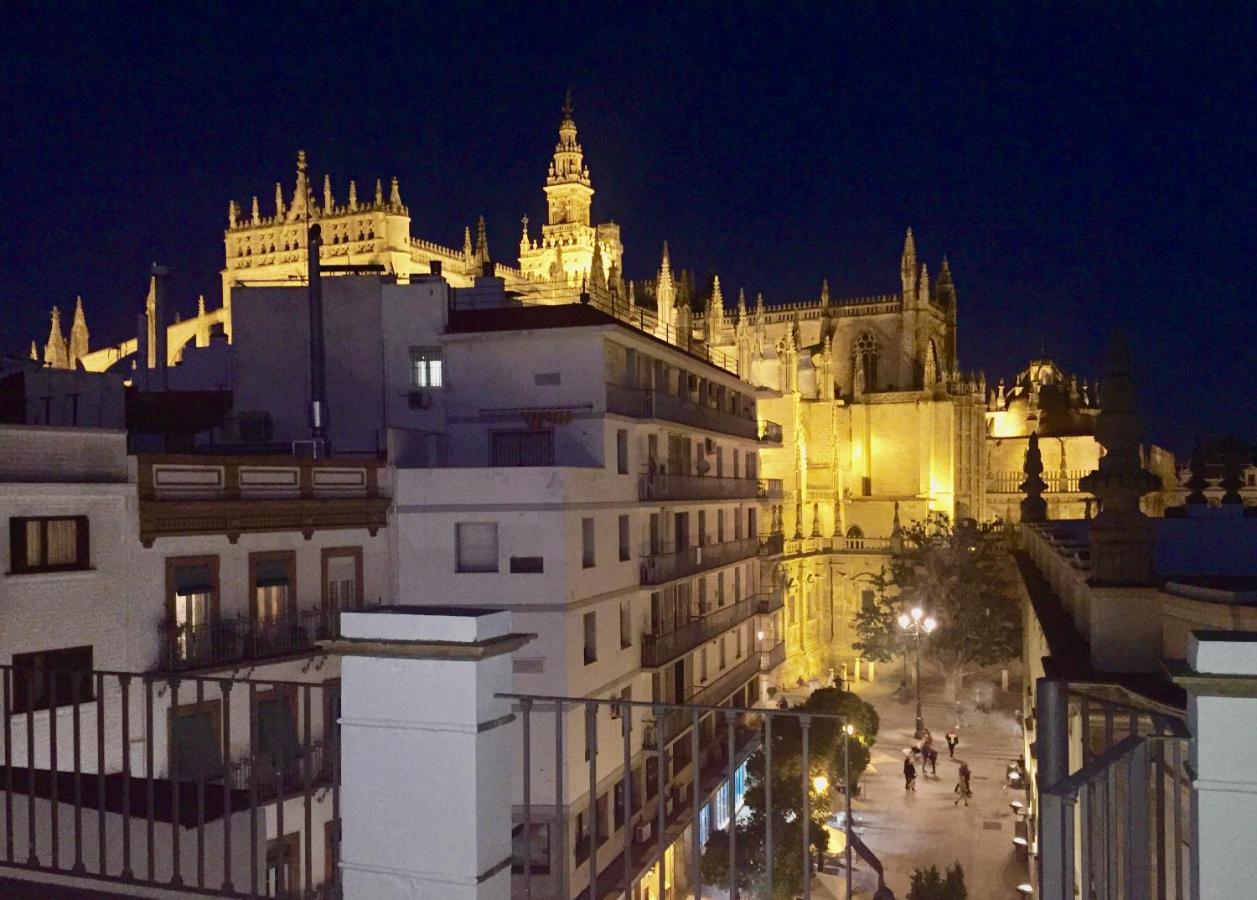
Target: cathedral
x,y
867,418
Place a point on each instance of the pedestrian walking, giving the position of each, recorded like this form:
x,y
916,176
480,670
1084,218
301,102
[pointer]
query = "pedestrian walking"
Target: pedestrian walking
x,y
928,754
952,740
960,716
909,774
963,792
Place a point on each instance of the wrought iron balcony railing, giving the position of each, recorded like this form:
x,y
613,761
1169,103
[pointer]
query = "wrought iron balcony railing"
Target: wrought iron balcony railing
x,y
771,489
662,486
772,657
231,640
770,601
772,544
665,567
658,649
770,433
651,404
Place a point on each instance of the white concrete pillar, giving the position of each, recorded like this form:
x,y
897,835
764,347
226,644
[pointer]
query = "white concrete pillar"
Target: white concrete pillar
x,y
872,671
425,759
1222,718
857,669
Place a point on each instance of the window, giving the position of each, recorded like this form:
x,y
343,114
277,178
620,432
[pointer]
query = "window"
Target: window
x,y
477,546
625,554
587,543
192,607
48,544
538,848
274,590
620,806
864,361
702,663
196,741
342,578
527,565
425,367
521,448
547,379
626,626
621,451
51,678
866,486
724,662
737,644
279,748
591,638
600,813
282,855
868,600
582,834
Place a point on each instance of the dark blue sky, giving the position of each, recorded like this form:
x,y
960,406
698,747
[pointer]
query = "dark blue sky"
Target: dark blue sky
x,y
1081,168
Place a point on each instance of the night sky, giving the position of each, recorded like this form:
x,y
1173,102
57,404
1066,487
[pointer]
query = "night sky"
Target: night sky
x,y
1082,169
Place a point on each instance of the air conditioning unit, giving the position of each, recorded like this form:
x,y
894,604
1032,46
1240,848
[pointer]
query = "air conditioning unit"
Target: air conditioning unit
x,y
642,832
419,399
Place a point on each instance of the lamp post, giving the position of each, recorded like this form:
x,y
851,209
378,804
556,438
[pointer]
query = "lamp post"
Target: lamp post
x,y
916,623
847,730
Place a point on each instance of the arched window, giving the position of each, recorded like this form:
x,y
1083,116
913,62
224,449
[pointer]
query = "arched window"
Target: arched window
x,y
855,538
864,354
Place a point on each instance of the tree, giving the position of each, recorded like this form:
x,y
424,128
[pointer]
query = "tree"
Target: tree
x,y
960,575
928,884
825,749
875,625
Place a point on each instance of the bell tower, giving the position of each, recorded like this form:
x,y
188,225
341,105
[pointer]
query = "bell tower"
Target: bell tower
x,y
569,193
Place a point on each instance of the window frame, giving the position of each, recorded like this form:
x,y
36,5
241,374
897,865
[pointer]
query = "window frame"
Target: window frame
x,y
326,555
18,549
35,661
421,359
589,542
589,637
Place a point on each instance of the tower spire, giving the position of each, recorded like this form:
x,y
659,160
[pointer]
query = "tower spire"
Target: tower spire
x,y
328,202
568,189
256,215
302,203
597,277
394,194
55,350
482,246
824,293
78,334
908,267
741,305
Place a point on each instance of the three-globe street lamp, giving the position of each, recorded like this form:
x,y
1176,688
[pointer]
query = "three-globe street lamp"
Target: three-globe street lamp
x,y
917,623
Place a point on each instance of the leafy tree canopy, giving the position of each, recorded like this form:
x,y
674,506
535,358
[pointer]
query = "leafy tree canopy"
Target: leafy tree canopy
x,y
929,884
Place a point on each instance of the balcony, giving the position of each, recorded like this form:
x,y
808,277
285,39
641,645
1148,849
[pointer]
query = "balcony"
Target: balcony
x,y
667,728
770,489
284,779
243,638
770,601
641,403
694,487
772,544
659,649
665,567
770,433
772,657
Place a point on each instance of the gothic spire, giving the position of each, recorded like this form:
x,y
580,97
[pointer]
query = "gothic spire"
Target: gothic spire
x,y
78,334
908,267
482,243
379,193
665,289
279,200
328,202
741,305
824,293
353,196
394,194
301,199
597,278
55,350
233,213
256,216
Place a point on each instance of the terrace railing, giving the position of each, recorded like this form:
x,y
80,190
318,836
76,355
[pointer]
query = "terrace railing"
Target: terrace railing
x,y
664,567
707,743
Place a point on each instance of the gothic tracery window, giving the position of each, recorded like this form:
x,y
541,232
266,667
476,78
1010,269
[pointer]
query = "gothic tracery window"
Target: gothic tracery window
x,y
864,355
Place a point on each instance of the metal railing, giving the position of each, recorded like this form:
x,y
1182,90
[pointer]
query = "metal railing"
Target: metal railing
x,y
654,809
770,433
644,403
661,486
128,783
231,640
772,657
771,489
658,649
772,544
668,566
770,601
1058,482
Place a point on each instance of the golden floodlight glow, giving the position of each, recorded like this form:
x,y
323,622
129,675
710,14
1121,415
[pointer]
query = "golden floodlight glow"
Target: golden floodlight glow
x,y
820,784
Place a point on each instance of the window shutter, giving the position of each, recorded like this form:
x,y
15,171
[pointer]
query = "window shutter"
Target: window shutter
x,y
271,572
193,579
83,541
17,545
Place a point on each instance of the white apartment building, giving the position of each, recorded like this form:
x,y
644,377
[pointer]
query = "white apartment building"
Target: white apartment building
x,y
176,578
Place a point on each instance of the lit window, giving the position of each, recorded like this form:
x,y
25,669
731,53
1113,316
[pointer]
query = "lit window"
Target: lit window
x,y
48,544
426,368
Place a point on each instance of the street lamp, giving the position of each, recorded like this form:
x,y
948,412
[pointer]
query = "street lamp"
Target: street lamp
x,y
916,623
847,731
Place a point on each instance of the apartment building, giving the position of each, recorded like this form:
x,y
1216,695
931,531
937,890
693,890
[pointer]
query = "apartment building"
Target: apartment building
x,y
137,592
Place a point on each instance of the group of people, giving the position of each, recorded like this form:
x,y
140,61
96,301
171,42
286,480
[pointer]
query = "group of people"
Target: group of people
x,y
929,758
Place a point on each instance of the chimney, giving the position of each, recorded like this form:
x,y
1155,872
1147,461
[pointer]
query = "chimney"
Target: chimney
x,y
318,387
161,287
